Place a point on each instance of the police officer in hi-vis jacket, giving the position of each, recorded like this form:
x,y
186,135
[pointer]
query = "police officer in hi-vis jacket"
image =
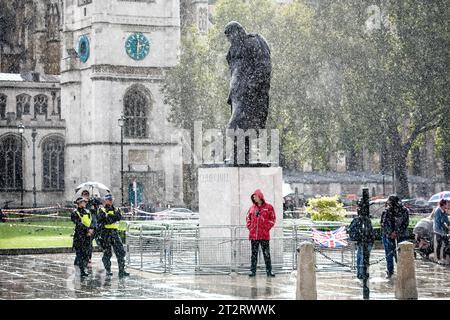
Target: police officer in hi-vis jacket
x,y
82,238
108,219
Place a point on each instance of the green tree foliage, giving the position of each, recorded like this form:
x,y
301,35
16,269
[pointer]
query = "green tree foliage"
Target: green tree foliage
x,y
347,75
411,77
326,209
443,148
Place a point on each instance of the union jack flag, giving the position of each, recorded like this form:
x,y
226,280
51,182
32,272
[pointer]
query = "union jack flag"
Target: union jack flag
x,y
330,239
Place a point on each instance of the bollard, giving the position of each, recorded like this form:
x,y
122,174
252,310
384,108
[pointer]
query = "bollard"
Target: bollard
x,y
306,272
405,284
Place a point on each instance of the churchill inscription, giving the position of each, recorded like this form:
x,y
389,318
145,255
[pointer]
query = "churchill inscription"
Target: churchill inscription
x,y
214,177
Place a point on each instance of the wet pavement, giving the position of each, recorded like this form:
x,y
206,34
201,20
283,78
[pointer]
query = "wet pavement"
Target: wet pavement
x,y
53,276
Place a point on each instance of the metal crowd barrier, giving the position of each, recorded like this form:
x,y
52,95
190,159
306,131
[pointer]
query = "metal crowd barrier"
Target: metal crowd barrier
x,y
182,247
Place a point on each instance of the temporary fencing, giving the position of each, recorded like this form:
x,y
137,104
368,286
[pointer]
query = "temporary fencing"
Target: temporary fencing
x,y
185,247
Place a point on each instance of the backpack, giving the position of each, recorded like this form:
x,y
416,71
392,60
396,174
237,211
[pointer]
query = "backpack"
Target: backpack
x,y
353,230
355,233
402,222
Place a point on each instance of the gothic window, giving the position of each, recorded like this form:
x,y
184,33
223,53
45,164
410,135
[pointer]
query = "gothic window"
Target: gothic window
x,y
10,164
52,21
58,106
22,105
40,105
2,106
203,19
136,108
53,163
84,2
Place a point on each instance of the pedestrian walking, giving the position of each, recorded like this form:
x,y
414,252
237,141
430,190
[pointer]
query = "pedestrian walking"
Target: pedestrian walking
x,y
394,229
82,239
441,226
109,218
260,219
360,235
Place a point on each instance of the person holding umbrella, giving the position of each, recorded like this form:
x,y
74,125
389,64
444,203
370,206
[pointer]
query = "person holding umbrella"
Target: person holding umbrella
x,y
82,239
109,218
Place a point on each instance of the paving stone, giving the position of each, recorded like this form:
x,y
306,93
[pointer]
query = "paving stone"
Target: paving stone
x,y
53,276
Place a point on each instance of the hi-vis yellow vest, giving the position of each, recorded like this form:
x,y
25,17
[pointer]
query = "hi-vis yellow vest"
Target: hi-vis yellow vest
x,y
85,218
114,225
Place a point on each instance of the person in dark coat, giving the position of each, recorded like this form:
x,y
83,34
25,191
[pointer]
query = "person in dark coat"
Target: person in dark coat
x,y
441,226
109,218
260,219
355,233
250,64
82,239
394,229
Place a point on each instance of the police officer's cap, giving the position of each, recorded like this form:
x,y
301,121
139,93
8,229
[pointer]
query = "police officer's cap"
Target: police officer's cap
x,y
108,196
80,199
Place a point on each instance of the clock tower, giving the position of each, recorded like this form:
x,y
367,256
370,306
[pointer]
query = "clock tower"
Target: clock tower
x,y
114,55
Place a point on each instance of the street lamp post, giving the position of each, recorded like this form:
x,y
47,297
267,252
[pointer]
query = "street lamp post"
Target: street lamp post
x,y
384,182
33,135
21,129
366,236
121,121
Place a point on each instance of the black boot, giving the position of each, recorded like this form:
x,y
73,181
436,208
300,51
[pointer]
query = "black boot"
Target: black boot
x,y
83,273
123,273
108,272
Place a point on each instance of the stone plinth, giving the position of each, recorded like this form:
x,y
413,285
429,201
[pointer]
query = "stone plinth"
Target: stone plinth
x,y
224,200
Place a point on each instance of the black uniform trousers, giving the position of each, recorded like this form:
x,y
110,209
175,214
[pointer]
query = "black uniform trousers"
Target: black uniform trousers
x,y
110,238
83,250
266,253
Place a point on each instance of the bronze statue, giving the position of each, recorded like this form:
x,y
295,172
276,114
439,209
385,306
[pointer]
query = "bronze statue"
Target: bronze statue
x,y
250,65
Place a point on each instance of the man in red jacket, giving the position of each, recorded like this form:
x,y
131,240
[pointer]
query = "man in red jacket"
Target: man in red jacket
x,y
260,219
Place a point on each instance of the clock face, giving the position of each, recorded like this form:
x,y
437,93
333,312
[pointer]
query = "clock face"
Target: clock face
x,y
137,46
83,48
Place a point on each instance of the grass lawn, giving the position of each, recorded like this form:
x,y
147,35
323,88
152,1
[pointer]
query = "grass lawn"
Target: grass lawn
x,y
38,234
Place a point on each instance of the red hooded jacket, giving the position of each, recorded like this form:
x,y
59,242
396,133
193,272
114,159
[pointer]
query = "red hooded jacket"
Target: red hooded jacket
x,y
260,219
